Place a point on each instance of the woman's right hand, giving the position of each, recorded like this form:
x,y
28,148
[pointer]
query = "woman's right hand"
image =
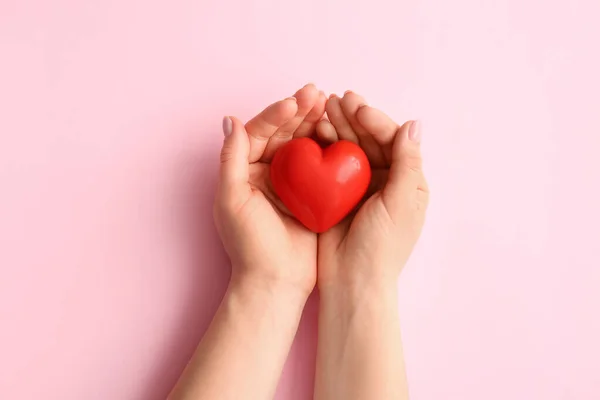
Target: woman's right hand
x,y
273,260
267,247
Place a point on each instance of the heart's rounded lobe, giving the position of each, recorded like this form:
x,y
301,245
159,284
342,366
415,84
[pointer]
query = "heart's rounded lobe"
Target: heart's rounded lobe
x,y
320,186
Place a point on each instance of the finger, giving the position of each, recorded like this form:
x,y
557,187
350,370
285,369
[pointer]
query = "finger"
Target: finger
x,y
306,99
308,126
338,119
406,185
234,189
326,132
264,125
380,126
350,104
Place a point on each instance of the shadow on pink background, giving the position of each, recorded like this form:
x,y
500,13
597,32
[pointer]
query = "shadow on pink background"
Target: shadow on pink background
x,y
110,112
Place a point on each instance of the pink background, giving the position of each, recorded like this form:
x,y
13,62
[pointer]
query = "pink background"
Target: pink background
x,y
110,113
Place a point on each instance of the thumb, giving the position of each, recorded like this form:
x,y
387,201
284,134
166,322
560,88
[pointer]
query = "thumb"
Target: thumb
x,y
406,186
234,172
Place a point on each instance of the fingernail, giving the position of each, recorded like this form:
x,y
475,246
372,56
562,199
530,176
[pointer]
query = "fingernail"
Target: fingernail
x,y
347,92
414,131
290,98
227,126
332,95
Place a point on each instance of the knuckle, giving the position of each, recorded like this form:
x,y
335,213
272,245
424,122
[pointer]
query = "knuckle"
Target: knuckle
x,y
226,154
422,200
283,134
413,162
423,185
260,135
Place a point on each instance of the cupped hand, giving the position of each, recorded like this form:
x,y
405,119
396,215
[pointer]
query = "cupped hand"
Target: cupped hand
x,y
266,246
373,244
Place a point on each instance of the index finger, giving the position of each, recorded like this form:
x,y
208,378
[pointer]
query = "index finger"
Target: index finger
x,y
264,125
380,126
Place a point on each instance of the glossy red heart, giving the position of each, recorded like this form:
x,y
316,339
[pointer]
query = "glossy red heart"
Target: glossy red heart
x,y
320,186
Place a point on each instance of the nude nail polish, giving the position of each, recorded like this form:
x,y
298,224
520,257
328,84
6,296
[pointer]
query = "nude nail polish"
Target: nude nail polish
x,y
414,131
227,126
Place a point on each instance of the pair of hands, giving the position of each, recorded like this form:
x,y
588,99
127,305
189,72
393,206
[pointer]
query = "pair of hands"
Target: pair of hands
x,y
269,248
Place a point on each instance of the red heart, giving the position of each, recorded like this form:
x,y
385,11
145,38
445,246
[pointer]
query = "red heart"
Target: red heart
x,y
320,186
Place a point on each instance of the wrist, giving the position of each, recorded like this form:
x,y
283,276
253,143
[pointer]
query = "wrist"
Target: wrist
x,y
375,293
349,282
269,294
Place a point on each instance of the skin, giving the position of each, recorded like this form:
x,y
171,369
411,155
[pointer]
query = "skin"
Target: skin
x,y
276,261
359,348
273,261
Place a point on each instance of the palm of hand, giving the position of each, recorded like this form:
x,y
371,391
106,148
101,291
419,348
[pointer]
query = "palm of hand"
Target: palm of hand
x,y
295,244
